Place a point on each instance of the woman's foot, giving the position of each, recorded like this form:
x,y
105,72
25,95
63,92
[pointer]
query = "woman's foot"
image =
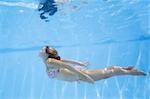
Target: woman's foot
x,y
133,71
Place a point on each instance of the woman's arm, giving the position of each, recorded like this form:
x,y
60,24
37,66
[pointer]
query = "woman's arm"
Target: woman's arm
x,y
74,62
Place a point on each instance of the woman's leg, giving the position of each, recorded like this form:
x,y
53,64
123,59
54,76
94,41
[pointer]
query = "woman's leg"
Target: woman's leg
x,y
113,71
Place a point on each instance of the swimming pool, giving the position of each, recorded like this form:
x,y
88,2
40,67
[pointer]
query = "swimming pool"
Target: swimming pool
x,y
102,32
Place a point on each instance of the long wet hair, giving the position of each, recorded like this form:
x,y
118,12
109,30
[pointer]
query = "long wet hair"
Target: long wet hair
x,y
52,55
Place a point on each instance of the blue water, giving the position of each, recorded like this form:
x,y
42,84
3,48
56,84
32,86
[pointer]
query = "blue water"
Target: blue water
x,y
104,33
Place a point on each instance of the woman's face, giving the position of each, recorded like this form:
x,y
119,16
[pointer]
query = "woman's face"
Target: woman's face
x,y
43,54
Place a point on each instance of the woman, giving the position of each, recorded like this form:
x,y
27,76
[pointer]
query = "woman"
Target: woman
x,y
63,69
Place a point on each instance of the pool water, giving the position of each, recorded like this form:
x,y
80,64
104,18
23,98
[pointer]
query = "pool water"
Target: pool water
x,y
101,32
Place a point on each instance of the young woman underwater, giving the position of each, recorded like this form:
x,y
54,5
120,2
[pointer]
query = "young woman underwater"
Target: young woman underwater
x,y
62,69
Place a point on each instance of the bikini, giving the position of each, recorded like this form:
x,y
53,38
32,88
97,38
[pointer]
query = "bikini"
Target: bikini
x,y
52,73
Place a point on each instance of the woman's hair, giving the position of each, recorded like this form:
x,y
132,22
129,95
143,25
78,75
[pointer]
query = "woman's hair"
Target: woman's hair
x,y
55,57
52,55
